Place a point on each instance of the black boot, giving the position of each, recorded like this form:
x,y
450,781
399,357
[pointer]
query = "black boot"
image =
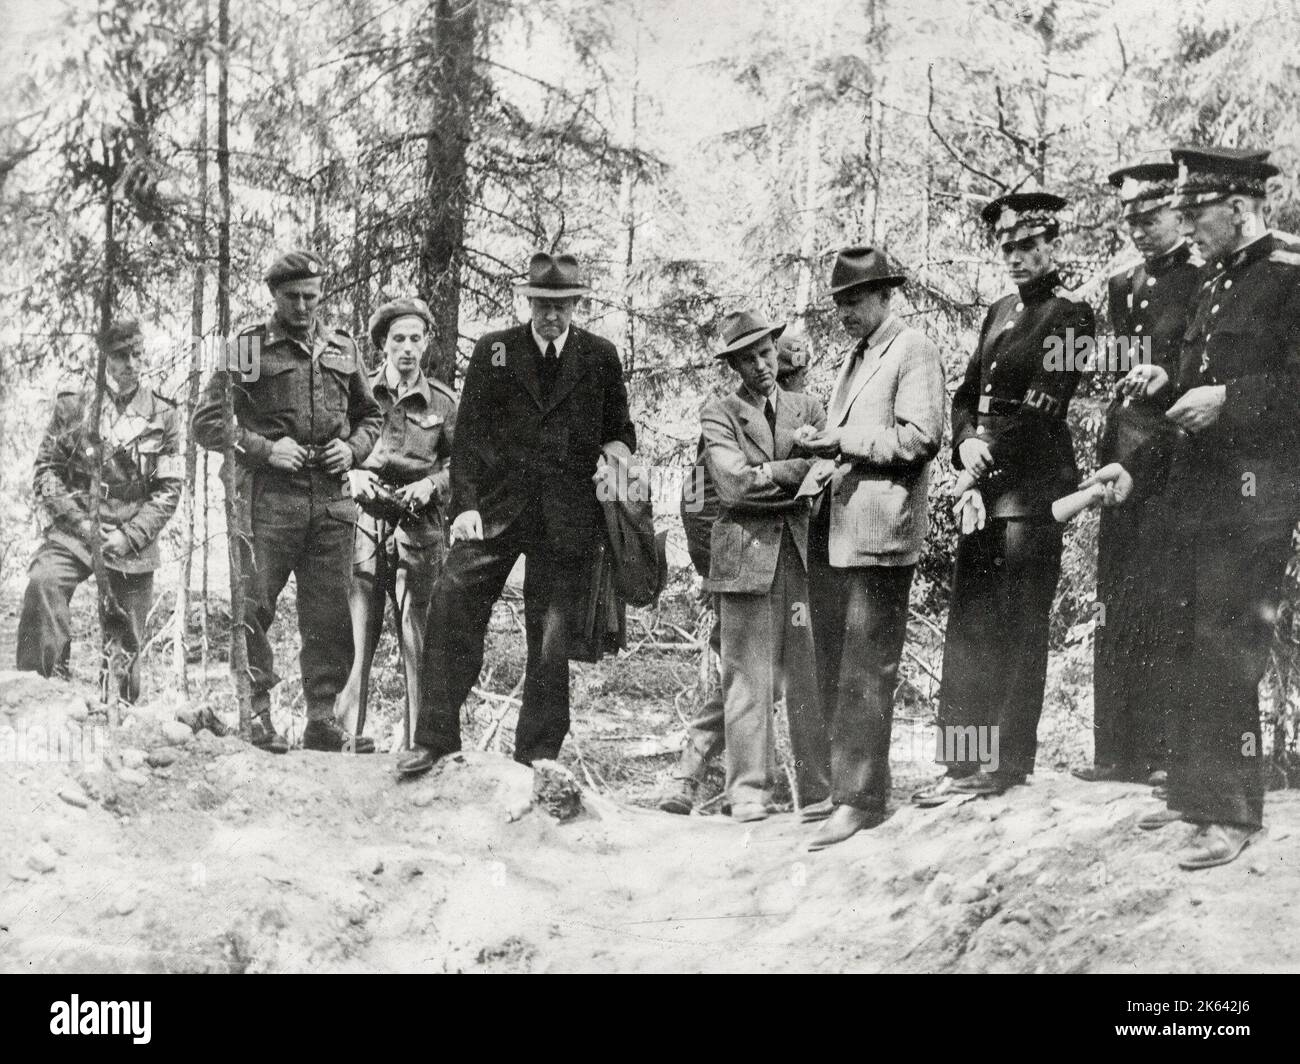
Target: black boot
x,y
328,735
264,736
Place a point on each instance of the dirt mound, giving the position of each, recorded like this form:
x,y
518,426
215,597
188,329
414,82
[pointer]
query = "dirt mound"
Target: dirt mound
x,y
167,851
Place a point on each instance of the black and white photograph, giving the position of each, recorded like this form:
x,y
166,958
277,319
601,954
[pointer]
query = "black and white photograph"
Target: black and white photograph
x,y
650,487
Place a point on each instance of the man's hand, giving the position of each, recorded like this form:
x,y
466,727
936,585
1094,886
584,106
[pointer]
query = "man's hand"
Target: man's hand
x,y
1115,479
115,544
336,457
823,444
361,483
975,456
1198,408
468,525
969,511
287,455
1143,381
417,494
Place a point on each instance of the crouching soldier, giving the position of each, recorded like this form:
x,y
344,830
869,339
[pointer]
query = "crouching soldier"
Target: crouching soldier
x,y
759,569
140,486
398,550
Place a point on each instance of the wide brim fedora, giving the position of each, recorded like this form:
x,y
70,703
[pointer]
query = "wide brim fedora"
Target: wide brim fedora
x,y
553,277
744,328
857,267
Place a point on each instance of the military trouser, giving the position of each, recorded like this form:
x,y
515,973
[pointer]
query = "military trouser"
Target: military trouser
x,y
705,734
301,524
45,629
995,649
1225,632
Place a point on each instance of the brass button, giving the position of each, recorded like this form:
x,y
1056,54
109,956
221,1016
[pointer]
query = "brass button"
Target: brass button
x,y
1144,303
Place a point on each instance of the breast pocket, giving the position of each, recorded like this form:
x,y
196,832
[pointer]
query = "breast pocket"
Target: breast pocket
x,y
336,379
273,390
423,432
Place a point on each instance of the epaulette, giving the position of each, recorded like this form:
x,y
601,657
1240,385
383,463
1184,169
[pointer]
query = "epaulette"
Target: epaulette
x,y
1288,256
445,388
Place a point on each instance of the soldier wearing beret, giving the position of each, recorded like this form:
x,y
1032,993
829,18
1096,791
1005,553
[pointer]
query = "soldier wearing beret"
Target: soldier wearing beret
x,y
140,486
1012,444
1232,490
304,416
543,419
401,489
1149,307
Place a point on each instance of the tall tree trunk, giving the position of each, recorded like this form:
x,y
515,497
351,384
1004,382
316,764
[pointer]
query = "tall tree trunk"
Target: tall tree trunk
x,y
180,665
449,72
627,204
236,526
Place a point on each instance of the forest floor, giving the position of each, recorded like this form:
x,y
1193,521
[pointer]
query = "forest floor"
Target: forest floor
x,y
161,850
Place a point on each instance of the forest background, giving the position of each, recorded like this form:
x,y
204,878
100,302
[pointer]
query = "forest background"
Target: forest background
x,y
697,155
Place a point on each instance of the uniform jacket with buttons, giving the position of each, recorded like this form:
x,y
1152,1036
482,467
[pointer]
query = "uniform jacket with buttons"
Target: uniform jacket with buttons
x,y
140,479
1015,394
1244,335
415,442
312,393
757,482
517,450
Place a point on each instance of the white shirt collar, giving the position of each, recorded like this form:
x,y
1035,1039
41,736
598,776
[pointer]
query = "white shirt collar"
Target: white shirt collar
x,y
559,341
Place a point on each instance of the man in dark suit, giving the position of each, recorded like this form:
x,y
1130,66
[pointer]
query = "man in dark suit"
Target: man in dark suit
x,y
543,415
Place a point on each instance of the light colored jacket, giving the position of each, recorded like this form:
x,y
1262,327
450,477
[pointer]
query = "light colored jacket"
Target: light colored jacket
x,y
891,412
757,482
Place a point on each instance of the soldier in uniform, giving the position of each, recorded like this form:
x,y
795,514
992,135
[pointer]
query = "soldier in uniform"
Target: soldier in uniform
x,y
398,548
1233,494
140,486
1012,443
705,735
304,416
1149,304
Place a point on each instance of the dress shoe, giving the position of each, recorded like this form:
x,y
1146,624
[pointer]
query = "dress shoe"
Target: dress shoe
x,y
845,822
748,812
810,814
987,784
678,796
1158,778
263,735
416,761
330,736
1105,774
1215,844
939,792
1159,818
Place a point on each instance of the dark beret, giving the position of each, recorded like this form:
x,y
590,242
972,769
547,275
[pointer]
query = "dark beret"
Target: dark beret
x,y
295,266
124,333
382,318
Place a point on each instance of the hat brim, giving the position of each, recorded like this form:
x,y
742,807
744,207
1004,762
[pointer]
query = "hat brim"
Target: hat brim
x,y
889,280
749,339
523,288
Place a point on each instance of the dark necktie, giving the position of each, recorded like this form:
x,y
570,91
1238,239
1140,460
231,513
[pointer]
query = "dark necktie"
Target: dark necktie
x,y
769,412
550,368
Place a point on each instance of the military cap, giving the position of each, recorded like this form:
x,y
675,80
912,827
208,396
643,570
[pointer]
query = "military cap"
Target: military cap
x,y
553,277
741,328
295,266
1145,186
1207,175
1033,212
382,318
862,266
121,334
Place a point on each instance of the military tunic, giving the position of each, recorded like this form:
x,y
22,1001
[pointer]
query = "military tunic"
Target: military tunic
x,y
1150,303
1233,497
1014,395
140,488
301,523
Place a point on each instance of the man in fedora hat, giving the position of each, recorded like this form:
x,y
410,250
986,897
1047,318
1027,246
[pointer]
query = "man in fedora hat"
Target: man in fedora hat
x,y
884,426
304,416
1149,305
140,486
401,490
542,413
1232,491
706,732
1010,436
758,568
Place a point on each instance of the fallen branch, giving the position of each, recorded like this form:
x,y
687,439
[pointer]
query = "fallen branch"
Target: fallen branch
x,y
507,702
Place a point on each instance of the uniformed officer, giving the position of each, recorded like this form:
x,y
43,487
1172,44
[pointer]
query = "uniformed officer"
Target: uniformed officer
x,y
1010,438
1149,307
304,416
398,549
140,486
1233,494
706,733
